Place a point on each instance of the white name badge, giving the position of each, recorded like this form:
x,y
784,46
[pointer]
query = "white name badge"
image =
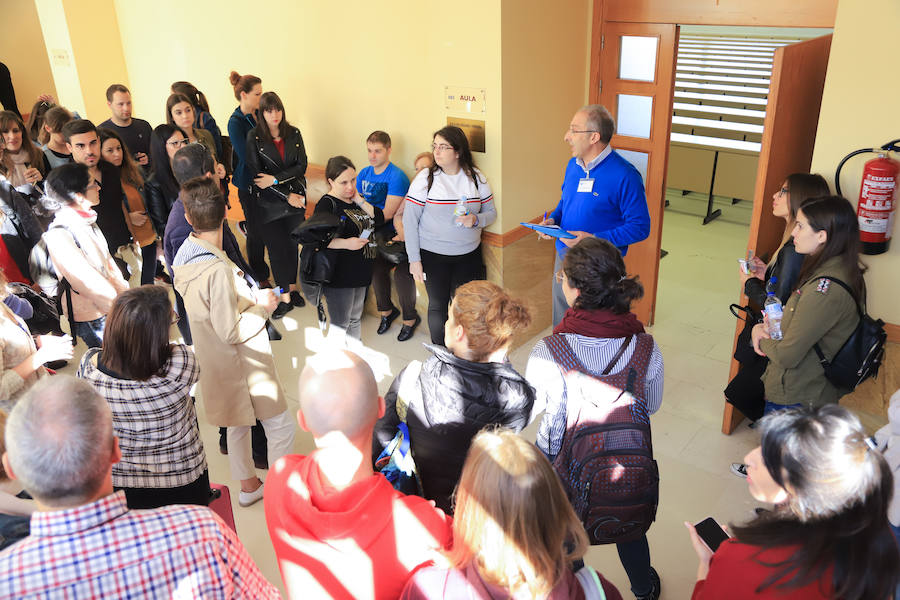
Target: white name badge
x,y
585,185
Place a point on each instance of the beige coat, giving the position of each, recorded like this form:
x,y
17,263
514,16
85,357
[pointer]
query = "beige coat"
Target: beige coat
x,y
16,345
238,382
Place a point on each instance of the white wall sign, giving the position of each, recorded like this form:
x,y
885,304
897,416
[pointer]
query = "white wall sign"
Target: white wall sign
x,y
464,99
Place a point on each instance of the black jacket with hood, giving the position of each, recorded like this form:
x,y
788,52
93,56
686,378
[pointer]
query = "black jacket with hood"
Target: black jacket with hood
x,y
453,400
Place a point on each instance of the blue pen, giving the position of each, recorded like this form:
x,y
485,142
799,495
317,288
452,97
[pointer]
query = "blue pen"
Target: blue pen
x,y
545,216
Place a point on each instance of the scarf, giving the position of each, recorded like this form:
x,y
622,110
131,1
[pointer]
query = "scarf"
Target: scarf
x,y
19,161
601,323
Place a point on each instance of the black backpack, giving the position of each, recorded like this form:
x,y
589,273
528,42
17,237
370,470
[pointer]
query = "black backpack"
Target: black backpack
x,y
606,460
861,355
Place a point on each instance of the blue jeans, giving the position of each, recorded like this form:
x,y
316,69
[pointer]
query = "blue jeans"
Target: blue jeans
x,y
91,332
772,407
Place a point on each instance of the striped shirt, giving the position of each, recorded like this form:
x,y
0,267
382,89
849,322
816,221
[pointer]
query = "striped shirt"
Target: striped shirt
x,y
595,354
155,421
104,550
428,219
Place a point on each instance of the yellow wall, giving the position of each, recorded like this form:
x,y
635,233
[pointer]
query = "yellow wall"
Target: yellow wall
x,y
22,50
94,34
343,69
59,48
859,110
545,56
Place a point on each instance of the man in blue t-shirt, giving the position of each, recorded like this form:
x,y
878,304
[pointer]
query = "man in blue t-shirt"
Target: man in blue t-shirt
x,y
384,185
602,194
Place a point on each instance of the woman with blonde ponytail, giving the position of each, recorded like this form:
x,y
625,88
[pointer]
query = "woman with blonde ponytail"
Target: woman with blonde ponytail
x,y
461,389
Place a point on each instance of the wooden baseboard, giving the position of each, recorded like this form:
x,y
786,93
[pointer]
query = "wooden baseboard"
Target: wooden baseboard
x,y
893,332
500,240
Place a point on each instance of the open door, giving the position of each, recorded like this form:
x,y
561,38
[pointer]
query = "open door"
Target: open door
x,y
637,72
789,135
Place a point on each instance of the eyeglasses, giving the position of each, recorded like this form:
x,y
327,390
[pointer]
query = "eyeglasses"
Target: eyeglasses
x,y
181,142
441,147
583,131
175,318
559,275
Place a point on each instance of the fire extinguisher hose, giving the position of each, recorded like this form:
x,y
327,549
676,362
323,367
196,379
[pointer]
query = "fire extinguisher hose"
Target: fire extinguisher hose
x,y
888,147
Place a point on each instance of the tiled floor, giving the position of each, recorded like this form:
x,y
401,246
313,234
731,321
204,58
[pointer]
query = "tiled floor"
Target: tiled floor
x,y
698,279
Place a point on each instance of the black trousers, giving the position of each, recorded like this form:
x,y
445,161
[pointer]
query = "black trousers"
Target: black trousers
x,y
255,245
7,92
283,252
406,287
196,492
443,274
148,268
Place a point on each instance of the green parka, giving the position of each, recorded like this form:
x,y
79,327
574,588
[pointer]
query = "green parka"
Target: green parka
x,y
819,311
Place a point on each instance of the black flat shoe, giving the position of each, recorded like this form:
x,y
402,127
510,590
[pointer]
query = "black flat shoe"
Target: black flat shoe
x,y
297,299
386,321
274,334
282,309
407,331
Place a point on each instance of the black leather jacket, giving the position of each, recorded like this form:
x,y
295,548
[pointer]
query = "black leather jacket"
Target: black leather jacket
x,y
158,203
263,157
459,398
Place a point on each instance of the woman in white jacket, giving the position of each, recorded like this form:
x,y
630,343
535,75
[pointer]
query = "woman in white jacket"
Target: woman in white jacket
x,y
79,251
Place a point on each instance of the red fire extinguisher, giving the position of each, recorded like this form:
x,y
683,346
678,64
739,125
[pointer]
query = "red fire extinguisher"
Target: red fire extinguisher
x,y
877,198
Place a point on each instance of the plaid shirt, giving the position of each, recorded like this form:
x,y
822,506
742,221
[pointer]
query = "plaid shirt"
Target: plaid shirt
x,y
104,550
155,421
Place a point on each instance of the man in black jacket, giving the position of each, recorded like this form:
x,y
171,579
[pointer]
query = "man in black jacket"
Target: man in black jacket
x,y
84,144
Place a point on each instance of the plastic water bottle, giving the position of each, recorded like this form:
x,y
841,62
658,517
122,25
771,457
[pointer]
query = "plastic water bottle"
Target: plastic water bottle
x,y
460,210
773,310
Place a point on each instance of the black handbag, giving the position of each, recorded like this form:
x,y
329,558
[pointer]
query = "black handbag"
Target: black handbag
x,y
317,262
391,250
45,317
316,265
746,390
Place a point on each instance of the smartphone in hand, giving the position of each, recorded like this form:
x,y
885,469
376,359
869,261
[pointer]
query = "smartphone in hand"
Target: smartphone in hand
x,y
711,533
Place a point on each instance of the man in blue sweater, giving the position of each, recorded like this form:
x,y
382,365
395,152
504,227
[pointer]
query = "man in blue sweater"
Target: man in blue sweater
x,y
602,193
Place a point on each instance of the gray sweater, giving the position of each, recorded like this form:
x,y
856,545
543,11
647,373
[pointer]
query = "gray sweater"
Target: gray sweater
x,y
428,219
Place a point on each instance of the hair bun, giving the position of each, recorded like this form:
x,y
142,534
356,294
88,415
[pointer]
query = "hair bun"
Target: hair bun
x,y
234,77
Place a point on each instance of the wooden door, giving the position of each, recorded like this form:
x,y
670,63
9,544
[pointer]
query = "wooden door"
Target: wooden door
x,y
636,78
789,135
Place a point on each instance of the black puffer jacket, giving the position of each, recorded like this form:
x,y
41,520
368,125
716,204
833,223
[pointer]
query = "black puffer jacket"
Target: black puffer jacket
x,y
263,157
458,399
19,227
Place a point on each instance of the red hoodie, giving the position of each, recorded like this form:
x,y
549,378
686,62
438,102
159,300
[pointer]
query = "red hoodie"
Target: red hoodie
x,y
362,542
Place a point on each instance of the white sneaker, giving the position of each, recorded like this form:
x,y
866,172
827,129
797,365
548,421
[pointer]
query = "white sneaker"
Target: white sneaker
x,y
248,498
739,469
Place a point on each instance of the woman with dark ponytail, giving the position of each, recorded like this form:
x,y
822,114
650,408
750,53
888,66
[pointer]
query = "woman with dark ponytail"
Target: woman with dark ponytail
x,y
460,390
599,332
247,91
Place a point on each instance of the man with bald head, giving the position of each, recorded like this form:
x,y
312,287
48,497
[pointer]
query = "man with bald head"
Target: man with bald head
x,y
85,542
339,529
